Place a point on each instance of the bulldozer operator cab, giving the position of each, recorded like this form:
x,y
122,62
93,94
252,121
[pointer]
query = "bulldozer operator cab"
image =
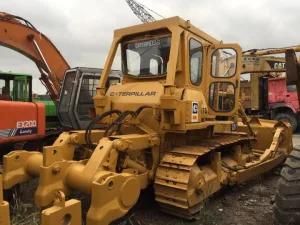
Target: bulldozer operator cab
x,y
172,65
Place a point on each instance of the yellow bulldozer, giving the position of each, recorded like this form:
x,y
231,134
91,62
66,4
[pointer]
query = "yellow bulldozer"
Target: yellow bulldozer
x,y
174,123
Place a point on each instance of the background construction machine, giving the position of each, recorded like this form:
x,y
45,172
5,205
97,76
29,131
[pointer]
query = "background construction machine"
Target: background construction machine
x,y
174,123
287,199
25,121
18,87
264,93
20,35
76,107
20,119
15,87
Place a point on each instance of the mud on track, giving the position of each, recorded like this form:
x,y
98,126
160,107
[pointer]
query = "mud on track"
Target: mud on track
x,y
247,204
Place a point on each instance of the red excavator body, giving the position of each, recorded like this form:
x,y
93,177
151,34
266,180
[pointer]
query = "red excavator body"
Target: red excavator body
x,y
25,121
21,121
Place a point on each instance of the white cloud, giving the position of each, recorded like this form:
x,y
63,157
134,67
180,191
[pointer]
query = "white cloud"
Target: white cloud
x,y
82,30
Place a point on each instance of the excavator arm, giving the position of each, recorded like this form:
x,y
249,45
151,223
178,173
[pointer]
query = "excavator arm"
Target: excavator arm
x,y
259,60
20,35
260,64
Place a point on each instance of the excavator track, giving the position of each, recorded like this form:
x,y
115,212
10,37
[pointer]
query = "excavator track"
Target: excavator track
x,y
176,191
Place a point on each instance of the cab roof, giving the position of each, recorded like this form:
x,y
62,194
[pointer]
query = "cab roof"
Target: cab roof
x,y
168,23
11,75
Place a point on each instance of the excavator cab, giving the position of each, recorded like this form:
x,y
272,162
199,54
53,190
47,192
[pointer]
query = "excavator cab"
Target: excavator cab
x,y
76,108
15,87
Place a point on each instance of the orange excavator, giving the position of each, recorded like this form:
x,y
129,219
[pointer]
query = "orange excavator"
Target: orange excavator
x,y
20,35
25,121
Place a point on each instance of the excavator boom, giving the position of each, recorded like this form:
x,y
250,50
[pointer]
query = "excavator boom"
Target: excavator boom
x,y
20,35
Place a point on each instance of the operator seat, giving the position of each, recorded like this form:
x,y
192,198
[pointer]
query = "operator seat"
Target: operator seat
x,y
5,94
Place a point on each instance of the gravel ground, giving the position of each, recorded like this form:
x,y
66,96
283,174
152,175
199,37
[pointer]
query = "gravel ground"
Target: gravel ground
x,y
245,204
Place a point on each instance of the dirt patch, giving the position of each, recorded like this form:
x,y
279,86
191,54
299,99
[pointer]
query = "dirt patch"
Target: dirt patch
x,y
246,204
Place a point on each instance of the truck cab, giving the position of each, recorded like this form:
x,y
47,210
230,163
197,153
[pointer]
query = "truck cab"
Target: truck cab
x,y
270,97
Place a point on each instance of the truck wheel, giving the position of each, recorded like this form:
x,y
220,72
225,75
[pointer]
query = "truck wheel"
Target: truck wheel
x,y
287,198
287,117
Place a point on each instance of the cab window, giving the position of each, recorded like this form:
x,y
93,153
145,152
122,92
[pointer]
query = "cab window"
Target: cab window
x,y
195,61
222,96
223,63
147,58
